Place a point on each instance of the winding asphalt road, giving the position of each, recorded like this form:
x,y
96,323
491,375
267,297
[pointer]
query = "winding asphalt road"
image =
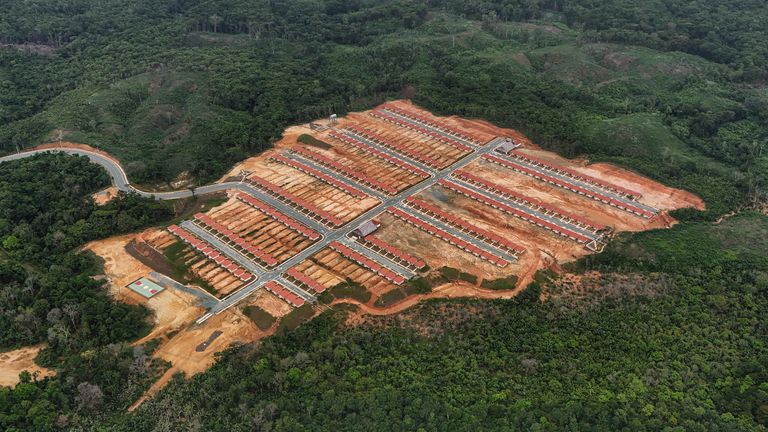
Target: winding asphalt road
x,y
119,178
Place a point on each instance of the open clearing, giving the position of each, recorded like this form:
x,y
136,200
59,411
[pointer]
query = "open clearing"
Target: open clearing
x,y
12,363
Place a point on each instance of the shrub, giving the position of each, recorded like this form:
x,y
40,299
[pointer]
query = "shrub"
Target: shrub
x,y
259,316
312,141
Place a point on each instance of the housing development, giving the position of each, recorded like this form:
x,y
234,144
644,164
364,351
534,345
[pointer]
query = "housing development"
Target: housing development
x,y
334,205
380,210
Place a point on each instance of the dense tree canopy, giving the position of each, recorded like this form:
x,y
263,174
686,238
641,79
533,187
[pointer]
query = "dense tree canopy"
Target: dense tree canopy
x,y
674,89
688,354
48,292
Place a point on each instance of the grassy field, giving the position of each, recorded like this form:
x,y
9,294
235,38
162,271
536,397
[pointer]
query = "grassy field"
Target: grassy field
x,y
259,316
506,283
295,318
350,290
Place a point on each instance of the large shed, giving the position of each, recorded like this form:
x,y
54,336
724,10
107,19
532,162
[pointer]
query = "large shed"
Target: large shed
x,y
366,228
507,146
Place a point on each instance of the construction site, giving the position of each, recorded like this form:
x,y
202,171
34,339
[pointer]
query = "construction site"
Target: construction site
x,y
378,201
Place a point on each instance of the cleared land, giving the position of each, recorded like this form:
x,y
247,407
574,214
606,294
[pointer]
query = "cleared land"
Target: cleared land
x,y
12,363
443,191
425,192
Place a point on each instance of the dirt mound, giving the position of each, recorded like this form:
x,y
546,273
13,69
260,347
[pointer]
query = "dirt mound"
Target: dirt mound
x,y
104,196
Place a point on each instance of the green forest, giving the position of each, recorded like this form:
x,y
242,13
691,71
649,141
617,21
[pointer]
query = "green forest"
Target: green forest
x,y
49,293
675,90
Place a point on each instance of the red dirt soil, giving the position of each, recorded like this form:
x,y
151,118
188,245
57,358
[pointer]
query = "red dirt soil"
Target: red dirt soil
x,y
12,363
72,145
104,196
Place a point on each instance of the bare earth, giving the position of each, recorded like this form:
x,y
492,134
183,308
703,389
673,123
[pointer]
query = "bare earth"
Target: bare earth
x,y
104,196
12,363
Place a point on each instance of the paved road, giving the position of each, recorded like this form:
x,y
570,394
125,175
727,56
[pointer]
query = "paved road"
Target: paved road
x,y
276,203
115,170
341,233
456,232
392,153
207,300
340,177
119,179
229,251
380,259
541,215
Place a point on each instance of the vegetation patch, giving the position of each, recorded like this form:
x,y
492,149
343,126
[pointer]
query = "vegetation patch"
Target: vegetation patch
x,y
501,284
417,285
449,274
351,290
674,90
312,141
51,295
259,316
195,280
390,297
175,254
185,207
295,318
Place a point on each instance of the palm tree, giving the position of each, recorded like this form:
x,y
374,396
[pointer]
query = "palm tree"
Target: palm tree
x,y
215,21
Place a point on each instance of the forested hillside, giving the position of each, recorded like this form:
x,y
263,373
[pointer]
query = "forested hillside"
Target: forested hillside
x,y
673,338
673,89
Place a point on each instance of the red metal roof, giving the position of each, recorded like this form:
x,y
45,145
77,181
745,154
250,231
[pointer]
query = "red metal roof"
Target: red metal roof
x,y
484,234
453,143
239,241
388,248
364,261
305,280
573,173
320,175
574,187
345,170
437,124
280,192
400,148
211,253
530,201
514,211
381,155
